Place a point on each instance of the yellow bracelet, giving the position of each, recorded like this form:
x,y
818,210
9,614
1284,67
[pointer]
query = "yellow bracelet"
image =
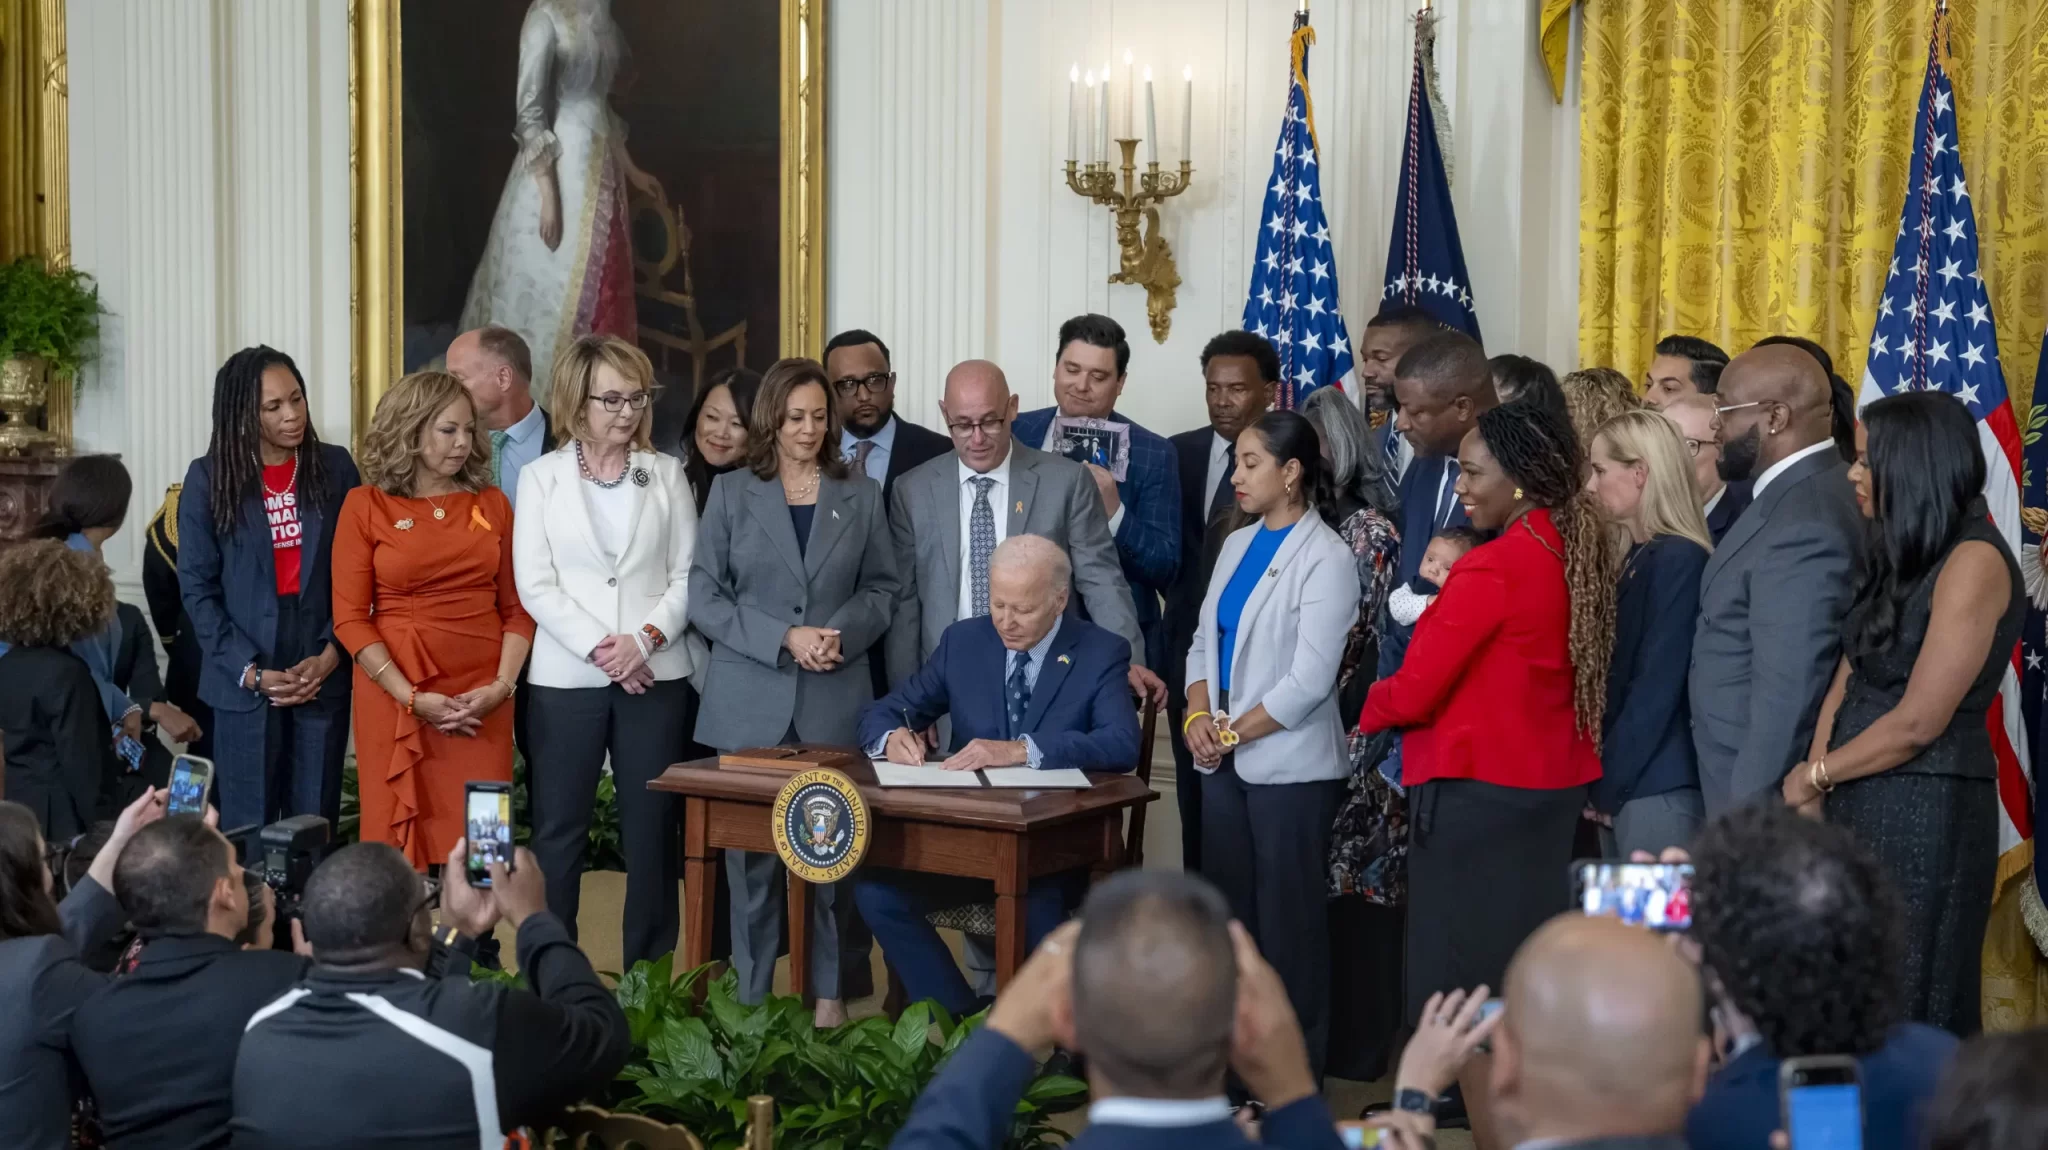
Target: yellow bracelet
x,y
1189,722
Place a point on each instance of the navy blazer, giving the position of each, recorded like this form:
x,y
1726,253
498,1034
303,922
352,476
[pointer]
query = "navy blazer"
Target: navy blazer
x,y
1734,498
1148,540
1646,745
1191,581
1080,714
1418,512
229,582
970,1104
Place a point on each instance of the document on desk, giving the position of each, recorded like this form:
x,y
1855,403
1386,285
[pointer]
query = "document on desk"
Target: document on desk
x,y
891,774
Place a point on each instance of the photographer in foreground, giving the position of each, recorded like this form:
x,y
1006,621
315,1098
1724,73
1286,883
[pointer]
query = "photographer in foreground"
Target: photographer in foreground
x,y
1164,994
41,974
158,1045
449,1062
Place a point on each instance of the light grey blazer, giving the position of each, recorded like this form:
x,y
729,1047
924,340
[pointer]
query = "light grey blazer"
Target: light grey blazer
x,y
1772,600
1049,496
749,586
1285,651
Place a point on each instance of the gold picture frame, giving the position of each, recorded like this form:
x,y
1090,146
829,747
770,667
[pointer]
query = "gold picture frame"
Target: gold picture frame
x,y
376,171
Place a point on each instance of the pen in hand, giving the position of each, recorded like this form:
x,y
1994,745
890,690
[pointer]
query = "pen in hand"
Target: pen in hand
x,y
916,739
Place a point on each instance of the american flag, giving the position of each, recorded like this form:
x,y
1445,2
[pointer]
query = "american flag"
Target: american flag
x,y
1425,261
1293,295
1934,333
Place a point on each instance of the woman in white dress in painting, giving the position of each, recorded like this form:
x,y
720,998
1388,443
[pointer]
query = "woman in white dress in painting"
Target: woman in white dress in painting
x,y
558,264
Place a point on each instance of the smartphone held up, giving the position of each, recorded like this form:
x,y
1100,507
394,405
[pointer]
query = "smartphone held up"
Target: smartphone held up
x,y
1655,895
487,817
191,785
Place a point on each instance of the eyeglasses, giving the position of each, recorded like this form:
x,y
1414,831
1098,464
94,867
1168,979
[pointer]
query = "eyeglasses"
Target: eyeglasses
x,y
872,384
1692,446
962,429
1740,406
613,401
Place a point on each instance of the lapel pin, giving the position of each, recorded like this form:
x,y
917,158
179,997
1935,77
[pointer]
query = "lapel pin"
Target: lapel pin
x,y
403,525
1020,507
835,513
1064,660
640,477
1272,572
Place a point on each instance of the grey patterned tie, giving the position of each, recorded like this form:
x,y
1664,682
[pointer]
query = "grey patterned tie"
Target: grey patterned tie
x,y
981,543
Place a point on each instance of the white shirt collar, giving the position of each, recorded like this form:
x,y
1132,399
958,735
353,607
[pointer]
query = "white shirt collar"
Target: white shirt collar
x,y
528,426
1785,464
1034,655
1715,501
1159,1112
1000,472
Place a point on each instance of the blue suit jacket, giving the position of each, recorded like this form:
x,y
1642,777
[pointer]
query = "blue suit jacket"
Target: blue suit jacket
x,y
1148,540
1081,713
1646,748
970,1104
229,582
1418,512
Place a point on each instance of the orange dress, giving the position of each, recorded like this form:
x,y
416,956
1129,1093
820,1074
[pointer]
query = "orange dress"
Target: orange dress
x,y
438,593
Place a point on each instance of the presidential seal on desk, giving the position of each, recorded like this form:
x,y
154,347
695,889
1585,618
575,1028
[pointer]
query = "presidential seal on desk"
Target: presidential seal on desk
x,y
820,825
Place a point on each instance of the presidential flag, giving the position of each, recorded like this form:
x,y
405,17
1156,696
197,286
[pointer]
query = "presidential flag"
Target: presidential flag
x,y
1293,295
2034,634
1425,261
1934,333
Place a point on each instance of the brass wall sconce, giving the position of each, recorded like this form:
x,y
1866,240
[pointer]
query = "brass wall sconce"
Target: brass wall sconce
x,y
1147,260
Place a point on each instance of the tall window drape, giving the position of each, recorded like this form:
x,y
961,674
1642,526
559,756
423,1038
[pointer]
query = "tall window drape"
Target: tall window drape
x,y
1743,167
32,218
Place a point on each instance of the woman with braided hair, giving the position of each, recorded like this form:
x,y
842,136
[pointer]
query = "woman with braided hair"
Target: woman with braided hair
x,y
255,530
1500,700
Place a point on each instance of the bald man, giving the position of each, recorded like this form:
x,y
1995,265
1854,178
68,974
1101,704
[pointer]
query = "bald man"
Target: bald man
x,y
1443,383
949,514
1599,1042
1774,593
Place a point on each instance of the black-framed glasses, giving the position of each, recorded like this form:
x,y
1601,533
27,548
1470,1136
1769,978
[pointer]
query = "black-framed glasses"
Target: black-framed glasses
x,y
874,384
965,429
613,401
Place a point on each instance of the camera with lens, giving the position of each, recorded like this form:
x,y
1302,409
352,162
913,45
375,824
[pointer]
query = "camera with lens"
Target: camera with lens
x,y
283,855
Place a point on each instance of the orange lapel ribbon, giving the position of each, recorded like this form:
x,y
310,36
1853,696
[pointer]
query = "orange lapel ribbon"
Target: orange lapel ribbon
x,y
476,518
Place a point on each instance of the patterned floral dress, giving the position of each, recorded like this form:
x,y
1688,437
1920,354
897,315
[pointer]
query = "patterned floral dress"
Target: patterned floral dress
x,y
1369,836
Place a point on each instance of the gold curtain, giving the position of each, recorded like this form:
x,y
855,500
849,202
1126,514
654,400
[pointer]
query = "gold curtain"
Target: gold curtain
x,y
32,220
1743,165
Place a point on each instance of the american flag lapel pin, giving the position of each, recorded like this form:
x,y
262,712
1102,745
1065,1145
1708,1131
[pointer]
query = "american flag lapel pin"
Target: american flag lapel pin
x,y
1065,661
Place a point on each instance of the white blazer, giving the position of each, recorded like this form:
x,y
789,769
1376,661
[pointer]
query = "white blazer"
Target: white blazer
x,y
577,595
1286,651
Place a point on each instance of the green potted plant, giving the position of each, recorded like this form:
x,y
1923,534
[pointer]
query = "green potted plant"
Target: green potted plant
x,y
49,322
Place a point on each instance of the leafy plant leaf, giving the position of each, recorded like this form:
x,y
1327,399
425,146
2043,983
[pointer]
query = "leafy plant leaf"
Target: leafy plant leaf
x,y
683,1046
913,1029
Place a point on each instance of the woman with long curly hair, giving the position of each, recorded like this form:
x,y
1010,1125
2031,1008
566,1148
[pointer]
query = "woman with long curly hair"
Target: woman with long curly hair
x,y
51,597
1500,699
425,601
255,530
1901,755
1594,395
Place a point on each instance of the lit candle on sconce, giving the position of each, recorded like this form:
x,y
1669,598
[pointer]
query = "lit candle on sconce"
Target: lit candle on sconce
x,y
1130,92
1187,114
1073,82
1151,121
1104,143
1089,111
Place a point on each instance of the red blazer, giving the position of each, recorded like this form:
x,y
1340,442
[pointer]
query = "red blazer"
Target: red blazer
x,y
1486,689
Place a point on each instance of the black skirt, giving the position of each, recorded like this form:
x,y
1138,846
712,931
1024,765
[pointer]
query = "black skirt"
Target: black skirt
x,y
1487,865
1937,838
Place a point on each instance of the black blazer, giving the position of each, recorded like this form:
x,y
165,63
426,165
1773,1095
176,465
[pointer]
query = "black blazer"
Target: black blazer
x,y
43,981
1734,499
57,737
229,582
1191,583
914,445
1646,746
158,1046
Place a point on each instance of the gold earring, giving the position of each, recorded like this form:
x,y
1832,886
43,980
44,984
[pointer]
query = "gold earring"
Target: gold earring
x,y
1518,493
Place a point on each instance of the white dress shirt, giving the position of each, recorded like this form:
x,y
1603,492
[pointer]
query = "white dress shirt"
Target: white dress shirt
x,y
1219,470
1051,446
611,510
999,503
1784,465
1159,1112
1715,501
878,456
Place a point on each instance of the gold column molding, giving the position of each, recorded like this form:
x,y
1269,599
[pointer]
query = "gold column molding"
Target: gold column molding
x,y
1146,260
803,177
35,155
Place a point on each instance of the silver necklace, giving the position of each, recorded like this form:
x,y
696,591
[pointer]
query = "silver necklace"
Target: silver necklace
x,y
583,465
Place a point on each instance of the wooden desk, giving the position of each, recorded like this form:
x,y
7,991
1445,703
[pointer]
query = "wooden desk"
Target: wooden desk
x,y
1006,836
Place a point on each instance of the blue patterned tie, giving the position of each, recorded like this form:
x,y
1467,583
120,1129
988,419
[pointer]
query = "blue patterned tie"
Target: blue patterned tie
x,y
981,543
1018,696
1449,498
1393,453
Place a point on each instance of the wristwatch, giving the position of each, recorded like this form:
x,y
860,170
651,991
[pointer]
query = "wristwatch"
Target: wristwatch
x,y
1414,1101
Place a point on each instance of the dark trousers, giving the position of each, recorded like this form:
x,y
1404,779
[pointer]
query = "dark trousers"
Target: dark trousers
x,y
1266,846
275,762
572,728
895,904
1187,782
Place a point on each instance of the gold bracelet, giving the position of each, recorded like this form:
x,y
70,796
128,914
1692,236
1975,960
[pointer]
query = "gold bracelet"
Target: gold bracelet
x,y
1189,722
379,672
1818,776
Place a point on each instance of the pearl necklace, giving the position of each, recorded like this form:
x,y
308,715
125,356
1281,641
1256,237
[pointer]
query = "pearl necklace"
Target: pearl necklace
x,y
803,492
583,465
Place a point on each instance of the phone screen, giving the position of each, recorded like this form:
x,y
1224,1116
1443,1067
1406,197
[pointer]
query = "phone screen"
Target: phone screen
x,y
1655,895
1825,1116
191,778
489,818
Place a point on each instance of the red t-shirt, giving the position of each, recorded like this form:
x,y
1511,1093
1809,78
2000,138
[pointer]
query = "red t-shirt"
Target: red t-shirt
x,y
281,506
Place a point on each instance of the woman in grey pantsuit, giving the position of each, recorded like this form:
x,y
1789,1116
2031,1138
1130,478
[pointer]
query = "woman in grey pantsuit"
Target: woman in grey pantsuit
x,y
793,580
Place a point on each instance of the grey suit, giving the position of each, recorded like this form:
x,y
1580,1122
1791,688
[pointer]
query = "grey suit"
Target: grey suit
x,y
749,584
1048,496
1769,635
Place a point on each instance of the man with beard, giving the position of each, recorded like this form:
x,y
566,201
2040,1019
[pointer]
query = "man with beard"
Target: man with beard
x,y
1773,596
1388,336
